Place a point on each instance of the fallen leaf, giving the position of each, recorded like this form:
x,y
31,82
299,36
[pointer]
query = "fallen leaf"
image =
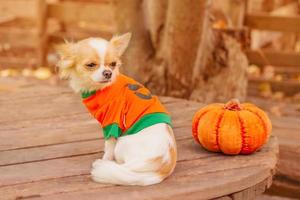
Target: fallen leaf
x,y
254,71
9,73
27,72
42,73
278,78
265,90
276,110
268,72
278,95
220,24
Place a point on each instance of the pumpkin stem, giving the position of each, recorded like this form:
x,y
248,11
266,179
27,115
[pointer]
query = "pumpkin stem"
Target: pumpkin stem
x,y
233,104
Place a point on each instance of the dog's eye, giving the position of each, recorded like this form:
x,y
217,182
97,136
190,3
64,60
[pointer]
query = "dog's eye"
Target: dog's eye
x,y
113,64
91,65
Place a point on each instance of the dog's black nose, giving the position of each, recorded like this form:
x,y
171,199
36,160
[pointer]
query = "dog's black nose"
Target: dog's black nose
x,y
107,74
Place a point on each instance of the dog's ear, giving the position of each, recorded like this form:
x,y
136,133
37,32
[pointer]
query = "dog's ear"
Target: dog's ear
x,y
120,43
66,61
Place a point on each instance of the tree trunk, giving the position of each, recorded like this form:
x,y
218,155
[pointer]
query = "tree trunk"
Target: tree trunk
x,y
174,49
220,69
222,73
130,18
182,36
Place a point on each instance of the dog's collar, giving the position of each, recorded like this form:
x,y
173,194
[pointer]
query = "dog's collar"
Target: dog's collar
x,y
86,94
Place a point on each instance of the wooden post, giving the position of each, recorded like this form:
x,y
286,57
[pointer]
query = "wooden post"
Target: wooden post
x,y
42,33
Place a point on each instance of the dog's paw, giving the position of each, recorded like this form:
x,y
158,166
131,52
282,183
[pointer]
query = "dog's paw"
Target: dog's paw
x,y
96,162
108,156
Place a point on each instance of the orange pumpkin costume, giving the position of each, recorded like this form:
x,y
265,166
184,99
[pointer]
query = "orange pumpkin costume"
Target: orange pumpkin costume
x,y
125,108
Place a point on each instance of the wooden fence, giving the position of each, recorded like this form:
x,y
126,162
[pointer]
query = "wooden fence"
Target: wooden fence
x,y
40,35
284,62
101,14
273,23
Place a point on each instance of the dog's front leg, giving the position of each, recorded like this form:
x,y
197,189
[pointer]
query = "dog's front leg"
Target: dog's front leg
x,y
109,149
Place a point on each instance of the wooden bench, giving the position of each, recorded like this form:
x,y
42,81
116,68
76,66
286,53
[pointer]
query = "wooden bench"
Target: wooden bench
x,y
48,142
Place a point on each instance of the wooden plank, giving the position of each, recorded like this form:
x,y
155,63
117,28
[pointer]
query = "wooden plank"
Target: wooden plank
x,y
271,197
18,38
253,192
283,186
273,23
262,38
83,184
66,149
66,128
19,8
195,186
64,124
27,88
42,153
24,88
275,58
42,102
60,109
15,174
8,62
288,165
35,112
287,70
192,159
73,129
289,144
289,87
7,18
59,169
91,12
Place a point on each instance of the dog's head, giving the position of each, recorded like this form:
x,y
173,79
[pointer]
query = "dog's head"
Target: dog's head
x,y
92,63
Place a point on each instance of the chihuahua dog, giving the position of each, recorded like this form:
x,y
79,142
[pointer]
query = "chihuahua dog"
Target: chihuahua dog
x,y
139,148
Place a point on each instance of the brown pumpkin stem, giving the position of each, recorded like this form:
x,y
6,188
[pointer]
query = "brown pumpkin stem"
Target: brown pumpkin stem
x,y
233,104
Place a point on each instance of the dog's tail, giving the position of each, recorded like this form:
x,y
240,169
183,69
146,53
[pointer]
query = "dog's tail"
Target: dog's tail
x,y
105,171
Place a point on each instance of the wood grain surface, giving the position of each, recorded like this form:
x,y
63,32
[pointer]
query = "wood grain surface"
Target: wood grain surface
x,y
48,142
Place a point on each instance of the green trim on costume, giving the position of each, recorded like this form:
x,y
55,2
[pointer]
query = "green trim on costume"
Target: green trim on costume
x,y
87,94
148,120
112,130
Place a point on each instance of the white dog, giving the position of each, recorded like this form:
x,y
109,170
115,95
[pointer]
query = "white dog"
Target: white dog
x,y
140,148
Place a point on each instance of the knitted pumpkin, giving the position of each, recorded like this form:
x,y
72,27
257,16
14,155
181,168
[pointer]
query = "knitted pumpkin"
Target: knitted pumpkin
x,y
231,128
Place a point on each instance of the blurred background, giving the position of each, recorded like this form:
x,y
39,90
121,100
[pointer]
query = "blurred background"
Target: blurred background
x,y
202,50
186,49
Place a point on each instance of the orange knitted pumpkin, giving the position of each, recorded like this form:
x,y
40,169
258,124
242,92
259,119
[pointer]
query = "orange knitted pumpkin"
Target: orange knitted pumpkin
x,y
231,128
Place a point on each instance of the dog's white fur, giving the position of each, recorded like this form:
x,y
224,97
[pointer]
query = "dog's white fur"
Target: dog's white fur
x,y
100,46
144,158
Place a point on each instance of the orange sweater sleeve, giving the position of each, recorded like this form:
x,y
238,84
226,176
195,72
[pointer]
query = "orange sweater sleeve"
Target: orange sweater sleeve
x,y
109,115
